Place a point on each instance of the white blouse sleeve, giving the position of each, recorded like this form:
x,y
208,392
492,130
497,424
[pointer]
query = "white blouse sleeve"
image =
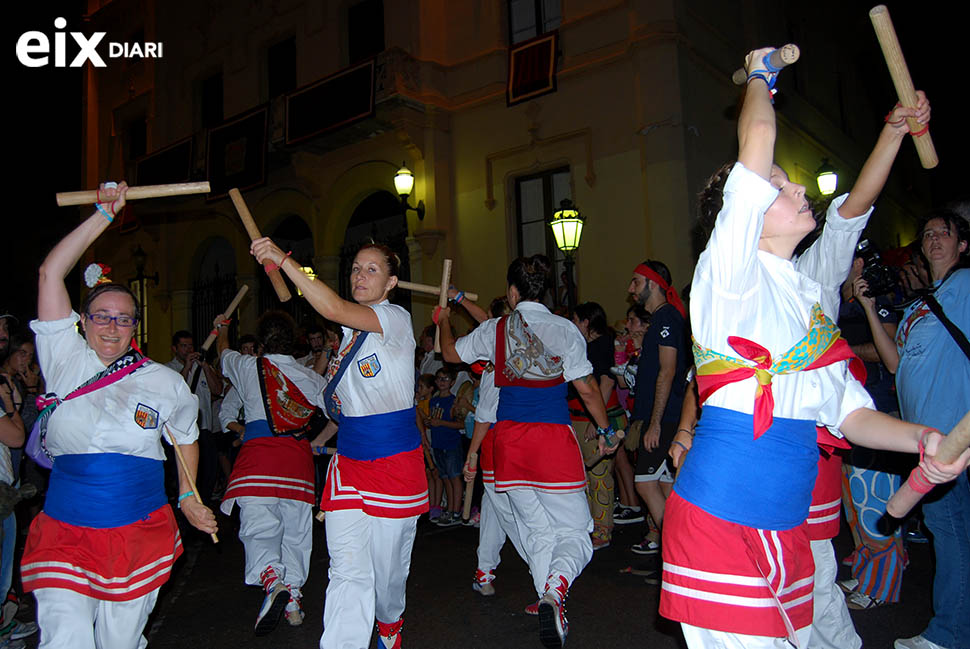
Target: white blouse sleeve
x,y
731,255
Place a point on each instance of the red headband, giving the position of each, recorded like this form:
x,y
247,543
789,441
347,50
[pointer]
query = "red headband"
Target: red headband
x,y
669,292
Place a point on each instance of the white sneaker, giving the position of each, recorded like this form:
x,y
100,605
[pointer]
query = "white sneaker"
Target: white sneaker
x,y
294,608
916,642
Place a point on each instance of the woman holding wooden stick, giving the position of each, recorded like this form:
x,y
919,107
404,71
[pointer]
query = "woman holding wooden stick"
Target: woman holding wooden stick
x,y
738,568
105,543
376,486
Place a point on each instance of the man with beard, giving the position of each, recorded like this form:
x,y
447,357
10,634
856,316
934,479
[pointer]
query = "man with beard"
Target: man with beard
x,y
660,387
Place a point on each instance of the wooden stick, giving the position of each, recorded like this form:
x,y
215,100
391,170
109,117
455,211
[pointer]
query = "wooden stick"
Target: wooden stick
x,y
431,290
279,285
188,476
784,55
893,53
442,299
134,193
950,449
228,312
466,510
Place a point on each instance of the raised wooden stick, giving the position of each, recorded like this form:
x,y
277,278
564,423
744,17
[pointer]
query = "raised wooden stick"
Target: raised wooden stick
x,y
442,299
883,24
228,312
279,285
188,476
134,193
784,55
466,510
432,290
950,449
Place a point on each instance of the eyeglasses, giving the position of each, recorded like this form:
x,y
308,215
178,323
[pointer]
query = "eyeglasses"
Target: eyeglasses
x,y
125,321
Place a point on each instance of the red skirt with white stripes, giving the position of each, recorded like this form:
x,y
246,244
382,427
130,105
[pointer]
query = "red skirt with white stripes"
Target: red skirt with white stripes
x,y
486,459
545,457
274,467
388,487
727,577
824,514
117,564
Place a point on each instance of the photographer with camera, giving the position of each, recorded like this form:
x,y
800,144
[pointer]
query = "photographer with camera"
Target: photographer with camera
x,y
930,357
877,561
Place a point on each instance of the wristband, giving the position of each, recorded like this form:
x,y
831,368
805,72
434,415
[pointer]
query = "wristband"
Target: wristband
x,y
680,444
104,212
270,267
890,114
922,441
684,430
184,496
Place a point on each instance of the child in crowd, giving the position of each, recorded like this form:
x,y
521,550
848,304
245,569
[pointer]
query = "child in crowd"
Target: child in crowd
x,y
446,443
424,389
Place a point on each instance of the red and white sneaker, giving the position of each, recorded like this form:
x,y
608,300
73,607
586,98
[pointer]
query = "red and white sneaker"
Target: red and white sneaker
x,y
553,626
277,596
294,608
533,608
483,583
389,635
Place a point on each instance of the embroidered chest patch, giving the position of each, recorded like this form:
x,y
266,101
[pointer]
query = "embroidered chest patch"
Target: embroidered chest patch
x,y
369,366
146,417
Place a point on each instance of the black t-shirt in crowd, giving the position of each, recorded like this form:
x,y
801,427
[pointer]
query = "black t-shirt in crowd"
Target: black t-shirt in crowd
x,y
599,353
667,329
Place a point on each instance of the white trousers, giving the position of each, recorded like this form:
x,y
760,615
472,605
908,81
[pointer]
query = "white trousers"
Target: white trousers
x,y
370,558
497,522
832,626
698,638
276,532
554,530
70,620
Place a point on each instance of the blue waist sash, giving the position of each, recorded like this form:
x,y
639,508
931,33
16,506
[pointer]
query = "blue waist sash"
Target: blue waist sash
x,y
765,483
372,437
104,489
255,429
533,405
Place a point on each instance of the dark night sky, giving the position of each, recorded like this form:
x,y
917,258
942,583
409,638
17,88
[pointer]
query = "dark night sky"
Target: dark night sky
x,y
45,151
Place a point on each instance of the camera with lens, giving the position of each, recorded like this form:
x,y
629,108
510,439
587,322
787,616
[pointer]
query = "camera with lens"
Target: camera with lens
x,y
882,280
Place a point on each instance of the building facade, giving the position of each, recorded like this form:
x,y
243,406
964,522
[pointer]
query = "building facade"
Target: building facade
x,y
500,108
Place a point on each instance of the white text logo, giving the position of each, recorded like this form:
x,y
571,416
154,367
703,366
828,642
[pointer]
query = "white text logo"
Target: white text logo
x,y
34,49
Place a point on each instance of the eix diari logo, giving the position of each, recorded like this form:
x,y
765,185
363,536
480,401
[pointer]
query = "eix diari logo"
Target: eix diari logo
x,y
34,48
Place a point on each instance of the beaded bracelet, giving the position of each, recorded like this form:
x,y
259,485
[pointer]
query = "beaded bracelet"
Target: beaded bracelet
x,y
680,444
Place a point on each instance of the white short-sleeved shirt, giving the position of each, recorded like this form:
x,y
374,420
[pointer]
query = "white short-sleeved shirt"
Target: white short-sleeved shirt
x,y
126,417
487,409
229,410
201,391
559,336
241,370
739,290
380,378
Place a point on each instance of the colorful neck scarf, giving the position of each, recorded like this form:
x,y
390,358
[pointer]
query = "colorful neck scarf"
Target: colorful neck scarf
x,y
821,346
670,293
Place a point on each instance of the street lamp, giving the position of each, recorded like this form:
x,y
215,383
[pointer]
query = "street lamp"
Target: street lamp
x,y
404,183
567,228
309,272
827,178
